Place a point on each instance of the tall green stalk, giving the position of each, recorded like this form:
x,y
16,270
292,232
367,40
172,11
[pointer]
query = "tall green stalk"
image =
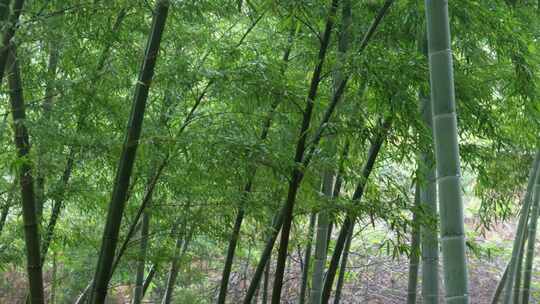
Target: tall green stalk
x,y
233,240
348,224
149,278
447,152
141,263
180,249
297,173
519,270
127,158
414,257
531,242
58,197
520,231
343,268
321,242
429,235
26,181
500,286
307,259
328,176
9,31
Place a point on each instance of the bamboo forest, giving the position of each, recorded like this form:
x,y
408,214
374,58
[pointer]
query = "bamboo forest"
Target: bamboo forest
x,y
269,151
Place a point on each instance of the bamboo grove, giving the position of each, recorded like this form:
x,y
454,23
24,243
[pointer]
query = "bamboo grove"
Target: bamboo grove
x,y
217,151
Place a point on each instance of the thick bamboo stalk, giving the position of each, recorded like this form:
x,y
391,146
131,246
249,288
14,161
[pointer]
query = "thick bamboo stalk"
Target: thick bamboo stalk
x,y
26,181
127,158
447,153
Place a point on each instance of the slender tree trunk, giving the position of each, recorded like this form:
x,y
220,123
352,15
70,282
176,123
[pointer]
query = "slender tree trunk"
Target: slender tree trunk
x,y
297,174
9,32
148,280
343,268
531,242
285,214
520,231
266,280
141,263
521,234
518,290
447,152
4,12
116,208
248,187
337,190
328,176
500,286
53,280
428,199
180,249
5,209
133,227
47,106
321,248
26,180
58,198
173,273
348,224
414,257
307,259
57,205
428,193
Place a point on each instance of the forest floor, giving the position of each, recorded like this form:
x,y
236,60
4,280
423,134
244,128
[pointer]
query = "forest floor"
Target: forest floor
x,y
373,277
